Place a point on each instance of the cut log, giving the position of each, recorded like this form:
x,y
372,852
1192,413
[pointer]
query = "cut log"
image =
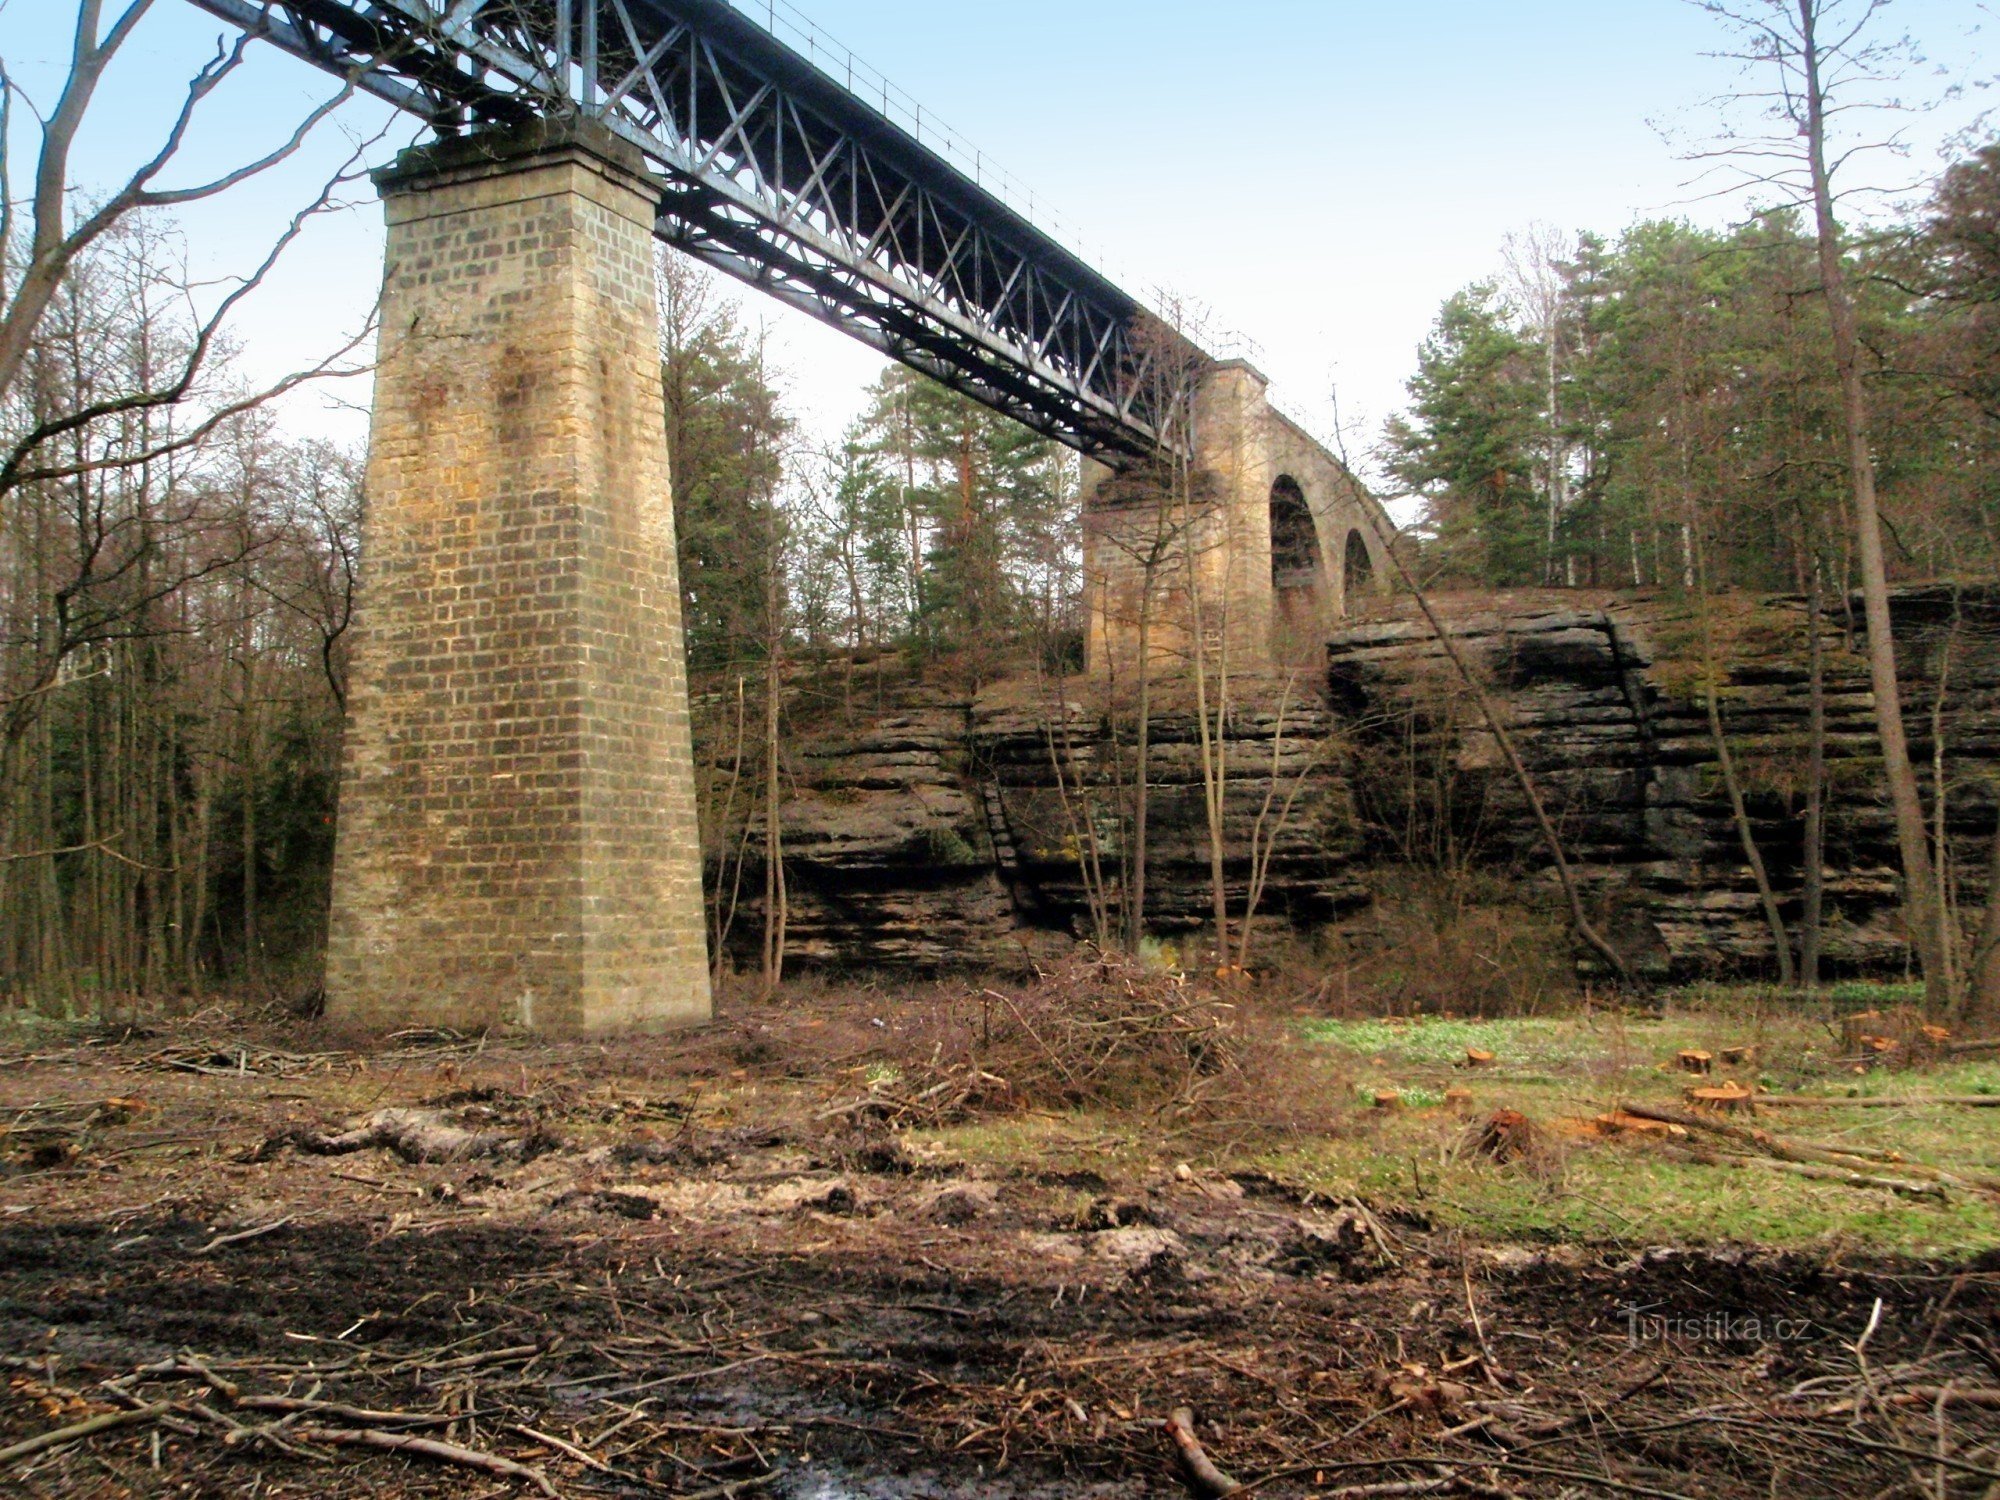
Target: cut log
x,y
1738,1057
1476,1057
1619,1123
1694,1060
1459,1101
1863,1023
1388,1099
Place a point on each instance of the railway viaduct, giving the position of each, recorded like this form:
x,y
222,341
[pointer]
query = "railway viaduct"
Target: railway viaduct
x,y
517,840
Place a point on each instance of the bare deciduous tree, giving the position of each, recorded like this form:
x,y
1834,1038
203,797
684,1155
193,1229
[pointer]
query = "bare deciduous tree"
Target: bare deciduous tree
x,y
1809,63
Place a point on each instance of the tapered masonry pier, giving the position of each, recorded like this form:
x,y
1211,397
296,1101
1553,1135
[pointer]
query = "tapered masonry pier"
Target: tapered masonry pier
x,y
517,841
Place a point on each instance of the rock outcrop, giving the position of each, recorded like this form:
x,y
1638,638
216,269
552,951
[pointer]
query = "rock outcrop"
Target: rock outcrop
x,y
950,832
1608,702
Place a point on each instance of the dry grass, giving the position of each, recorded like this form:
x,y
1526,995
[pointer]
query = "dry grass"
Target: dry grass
x,y
1436,943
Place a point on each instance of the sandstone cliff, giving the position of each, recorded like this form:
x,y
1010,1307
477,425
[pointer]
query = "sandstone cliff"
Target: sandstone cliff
x,y
944,832
1607,700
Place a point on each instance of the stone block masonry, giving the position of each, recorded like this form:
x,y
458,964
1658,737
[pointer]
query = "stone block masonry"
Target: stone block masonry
x,y
517,842
1267,542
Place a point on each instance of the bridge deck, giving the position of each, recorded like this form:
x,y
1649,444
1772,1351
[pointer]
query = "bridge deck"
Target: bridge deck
x,y
779,174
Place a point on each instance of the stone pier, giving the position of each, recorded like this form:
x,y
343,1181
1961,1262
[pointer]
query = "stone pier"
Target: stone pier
x,y
517,843
1265,540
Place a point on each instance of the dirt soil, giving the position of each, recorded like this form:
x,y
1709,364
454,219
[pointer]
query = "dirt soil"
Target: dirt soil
x,y
700,1265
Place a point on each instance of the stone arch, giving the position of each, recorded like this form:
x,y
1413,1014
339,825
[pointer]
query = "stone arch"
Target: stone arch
x,y
1298,574
1358,567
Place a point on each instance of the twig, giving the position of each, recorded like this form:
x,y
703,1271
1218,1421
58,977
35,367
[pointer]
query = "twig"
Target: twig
x,y
732,1488
588,1460
243,1234
1860,1348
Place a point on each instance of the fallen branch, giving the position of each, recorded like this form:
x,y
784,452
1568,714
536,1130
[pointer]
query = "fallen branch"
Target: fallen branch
x,y
1881,1101
588,1460
102,1422
1814,1170
431,1448
730,1489
1203,1477
1845,1159
1919,1395
416,1135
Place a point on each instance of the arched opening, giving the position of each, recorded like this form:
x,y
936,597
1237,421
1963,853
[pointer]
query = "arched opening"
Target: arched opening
x,y
1298,581
1294,537
1359,571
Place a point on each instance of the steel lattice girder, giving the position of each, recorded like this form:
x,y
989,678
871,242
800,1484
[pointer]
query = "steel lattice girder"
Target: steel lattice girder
x,y
777,174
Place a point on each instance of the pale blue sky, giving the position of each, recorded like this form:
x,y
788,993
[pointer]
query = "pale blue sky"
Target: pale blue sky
x,y
1320,173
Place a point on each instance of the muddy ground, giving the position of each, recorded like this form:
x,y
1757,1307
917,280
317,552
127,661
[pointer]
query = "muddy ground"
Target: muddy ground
x,y
708,1265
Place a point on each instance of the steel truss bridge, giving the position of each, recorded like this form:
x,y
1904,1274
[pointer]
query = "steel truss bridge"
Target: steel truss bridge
x,y
778,172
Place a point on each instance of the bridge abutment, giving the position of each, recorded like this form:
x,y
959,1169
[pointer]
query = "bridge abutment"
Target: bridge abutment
x,y
518,840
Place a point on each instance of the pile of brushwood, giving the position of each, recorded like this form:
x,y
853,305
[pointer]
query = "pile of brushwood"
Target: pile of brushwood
x,y
1094,1033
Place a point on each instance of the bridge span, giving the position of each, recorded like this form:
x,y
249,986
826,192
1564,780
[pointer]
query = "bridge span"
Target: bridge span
x,y
799,180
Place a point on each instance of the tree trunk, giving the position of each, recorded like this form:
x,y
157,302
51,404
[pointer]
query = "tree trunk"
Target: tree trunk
x,y
774,849
1209,738
1135,901
1920,913
1984,1009
1946,896
1732,783
1814,894
1579,919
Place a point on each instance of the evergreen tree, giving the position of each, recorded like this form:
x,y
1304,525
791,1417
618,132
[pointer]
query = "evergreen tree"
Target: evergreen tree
x,y
725,443
1467,445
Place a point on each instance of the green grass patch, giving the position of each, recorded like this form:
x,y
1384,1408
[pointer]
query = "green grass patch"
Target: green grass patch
x,y
1446,1038
1588,1187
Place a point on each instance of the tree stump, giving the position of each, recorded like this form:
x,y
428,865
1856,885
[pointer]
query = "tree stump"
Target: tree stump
x,y
1727,1097
1505,1135
1855,1029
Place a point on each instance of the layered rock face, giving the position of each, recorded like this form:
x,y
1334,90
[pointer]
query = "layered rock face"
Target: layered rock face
x,y
1607,700
941,833
888,861
944,834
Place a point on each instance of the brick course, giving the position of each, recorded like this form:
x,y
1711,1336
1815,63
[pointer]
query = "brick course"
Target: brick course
x,y
517,841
